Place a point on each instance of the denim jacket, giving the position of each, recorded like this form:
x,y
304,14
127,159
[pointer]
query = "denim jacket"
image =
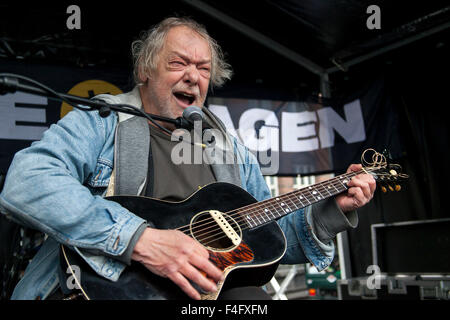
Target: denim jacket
x,y
57,186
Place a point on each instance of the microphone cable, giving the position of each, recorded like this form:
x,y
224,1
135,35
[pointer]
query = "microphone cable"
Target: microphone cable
x,y
104,110
103,113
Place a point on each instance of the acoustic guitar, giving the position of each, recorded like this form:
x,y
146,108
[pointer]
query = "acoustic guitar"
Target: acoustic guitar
x,y
240,233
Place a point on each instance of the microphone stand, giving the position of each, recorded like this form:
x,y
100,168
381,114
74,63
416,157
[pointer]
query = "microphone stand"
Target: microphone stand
x,y
10,84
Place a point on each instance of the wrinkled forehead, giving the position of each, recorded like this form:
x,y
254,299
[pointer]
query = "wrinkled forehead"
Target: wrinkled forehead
x,y
184,41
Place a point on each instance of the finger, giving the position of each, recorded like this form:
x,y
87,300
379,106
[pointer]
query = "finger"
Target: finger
x,y
369,179
354,168
201,251
196,276
357,182
372,183
199,257
207,266
184,285
358,197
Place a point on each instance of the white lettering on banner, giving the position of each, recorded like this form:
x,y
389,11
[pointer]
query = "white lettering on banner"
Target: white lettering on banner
x,y
259,129
299,132
224,115
352,129
10,114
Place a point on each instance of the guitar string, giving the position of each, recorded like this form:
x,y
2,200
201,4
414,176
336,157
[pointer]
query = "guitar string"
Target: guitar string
x,y
222,237
256,208
253,206
243,228
377,162
320,187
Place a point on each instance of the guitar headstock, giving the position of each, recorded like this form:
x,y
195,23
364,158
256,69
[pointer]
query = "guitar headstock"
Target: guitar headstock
x,y
388,175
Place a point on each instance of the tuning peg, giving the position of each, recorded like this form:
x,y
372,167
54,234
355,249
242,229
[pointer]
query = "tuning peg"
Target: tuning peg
x,y
393,172
398,187
383,188
390,188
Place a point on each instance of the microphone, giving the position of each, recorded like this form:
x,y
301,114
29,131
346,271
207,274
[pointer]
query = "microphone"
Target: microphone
x,y
8,85
190,115
193,113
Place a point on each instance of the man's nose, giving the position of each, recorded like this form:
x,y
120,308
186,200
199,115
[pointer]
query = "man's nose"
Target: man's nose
x,y
191,75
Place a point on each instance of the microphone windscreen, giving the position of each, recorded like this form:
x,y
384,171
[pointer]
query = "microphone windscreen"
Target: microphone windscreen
x,y
193,113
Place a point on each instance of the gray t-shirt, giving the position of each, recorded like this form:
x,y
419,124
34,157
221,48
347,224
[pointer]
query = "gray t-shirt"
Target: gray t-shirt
x,y
171,181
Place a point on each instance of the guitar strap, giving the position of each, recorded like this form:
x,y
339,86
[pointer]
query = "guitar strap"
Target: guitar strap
x,y
131,151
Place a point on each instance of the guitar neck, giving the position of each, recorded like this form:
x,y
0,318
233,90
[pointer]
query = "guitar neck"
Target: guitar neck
x,y
274,208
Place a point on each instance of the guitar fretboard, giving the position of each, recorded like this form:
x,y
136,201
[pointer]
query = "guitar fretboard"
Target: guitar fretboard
x,y
274,208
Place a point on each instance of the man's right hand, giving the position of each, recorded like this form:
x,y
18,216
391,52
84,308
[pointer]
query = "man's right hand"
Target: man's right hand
x,y
174,255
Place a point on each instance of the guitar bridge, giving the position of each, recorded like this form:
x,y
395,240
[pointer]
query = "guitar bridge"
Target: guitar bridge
x,y
226,227
215,230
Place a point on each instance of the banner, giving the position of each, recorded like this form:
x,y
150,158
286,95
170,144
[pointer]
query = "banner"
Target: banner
x,y
24,117
291,138
287,137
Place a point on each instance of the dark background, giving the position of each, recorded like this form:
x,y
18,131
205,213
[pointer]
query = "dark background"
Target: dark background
x,y
329,33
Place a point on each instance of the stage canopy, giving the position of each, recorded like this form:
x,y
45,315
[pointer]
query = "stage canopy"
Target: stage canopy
x,y
283,44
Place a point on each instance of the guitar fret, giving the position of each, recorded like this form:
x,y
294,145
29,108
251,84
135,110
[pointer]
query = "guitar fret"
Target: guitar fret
x,y
274,208
271,209
264,212
327,190
284,206
335,187
287,207
314,192
308,189
304,197
250,221
296,207
344,183
277,208
291,209
259,217
300,200
281,206
259,222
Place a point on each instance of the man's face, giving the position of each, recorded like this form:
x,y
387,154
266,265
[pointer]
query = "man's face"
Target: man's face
x,y
182,76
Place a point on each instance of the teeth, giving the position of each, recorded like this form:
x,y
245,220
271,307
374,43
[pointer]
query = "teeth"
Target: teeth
x,y
186,94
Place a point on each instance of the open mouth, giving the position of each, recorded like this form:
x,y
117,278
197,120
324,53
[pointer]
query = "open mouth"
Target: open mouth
x,y
185,98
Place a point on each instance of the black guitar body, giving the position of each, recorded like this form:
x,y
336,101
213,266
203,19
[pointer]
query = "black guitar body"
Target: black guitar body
x,y
266,244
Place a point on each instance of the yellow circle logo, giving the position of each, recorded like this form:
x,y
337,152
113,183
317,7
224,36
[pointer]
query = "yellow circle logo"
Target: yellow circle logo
x,y
89,89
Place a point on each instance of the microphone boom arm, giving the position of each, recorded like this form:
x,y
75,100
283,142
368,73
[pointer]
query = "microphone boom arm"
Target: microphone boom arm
x,y
9,84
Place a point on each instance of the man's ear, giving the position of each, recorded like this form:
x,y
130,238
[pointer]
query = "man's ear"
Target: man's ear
x,y
143,79
143,76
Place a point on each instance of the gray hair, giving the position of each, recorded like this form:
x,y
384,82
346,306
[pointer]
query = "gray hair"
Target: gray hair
x,y
146,50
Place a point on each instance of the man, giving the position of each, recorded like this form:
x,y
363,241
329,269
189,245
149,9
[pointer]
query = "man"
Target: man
x,y
57,184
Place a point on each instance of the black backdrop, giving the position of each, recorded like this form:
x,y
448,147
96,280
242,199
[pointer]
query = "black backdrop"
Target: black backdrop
x,y
418,79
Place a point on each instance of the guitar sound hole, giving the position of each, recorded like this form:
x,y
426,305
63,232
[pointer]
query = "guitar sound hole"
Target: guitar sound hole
x,y
210,234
